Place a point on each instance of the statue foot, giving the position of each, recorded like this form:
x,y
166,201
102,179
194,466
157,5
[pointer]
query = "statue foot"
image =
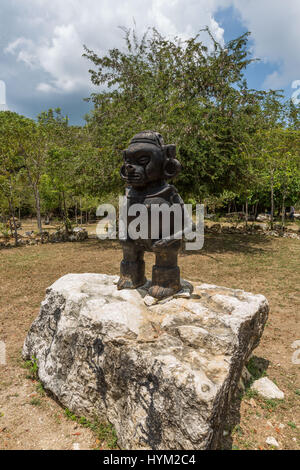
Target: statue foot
x,y
126,283
159,292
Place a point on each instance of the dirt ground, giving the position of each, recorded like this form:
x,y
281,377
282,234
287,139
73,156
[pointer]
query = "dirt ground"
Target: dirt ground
x,y
29,419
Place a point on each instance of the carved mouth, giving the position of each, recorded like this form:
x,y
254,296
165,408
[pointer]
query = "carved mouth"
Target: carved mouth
x,y
134,178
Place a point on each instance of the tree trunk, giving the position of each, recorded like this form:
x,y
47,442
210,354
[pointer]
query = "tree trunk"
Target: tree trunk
x,y
66,221
10,225
246,212
76,214
12,213
255,211
272,201
34,185
38,210
283,212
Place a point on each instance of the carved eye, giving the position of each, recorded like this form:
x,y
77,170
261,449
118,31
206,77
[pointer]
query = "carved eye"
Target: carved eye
x,y
144,160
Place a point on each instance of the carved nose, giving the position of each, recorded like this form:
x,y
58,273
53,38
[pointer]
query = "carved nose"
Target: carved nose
x,y
130,169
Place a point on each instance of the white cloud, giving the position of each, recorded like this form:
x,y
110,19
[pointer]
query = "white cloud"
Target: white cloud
x,y
46,88
276,33
49,36
62,27
24,49
62,60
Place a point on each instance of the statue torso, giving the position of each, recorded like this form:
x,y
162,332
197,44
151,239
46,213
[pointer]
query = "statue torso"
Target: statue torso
x,y
163,194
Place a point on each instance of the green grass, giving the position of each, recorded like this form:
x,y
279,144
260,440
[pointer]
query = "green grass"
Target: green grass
x,y
40,389
255,369
237,430
36,402
250,393
271,404
33,368
105,432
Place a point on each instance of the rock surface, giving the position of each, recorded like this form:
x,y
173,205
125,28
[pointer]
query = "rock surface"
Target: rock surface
x,y
267,389
271,441
163,374
77,234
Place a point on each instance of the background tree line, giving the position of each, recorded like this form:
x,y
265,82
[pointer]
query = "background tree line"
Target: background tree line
x,y
239,147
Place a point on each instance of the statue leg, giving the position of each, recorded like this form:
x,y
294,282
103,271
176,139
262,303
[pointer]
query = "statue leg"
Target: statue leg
x,y
132,269
165,274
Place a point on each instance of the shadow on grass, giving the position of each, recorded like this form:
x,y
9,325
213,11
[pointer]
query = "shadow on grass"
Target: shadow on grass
x,y
232,243
99,244
257,366
213,243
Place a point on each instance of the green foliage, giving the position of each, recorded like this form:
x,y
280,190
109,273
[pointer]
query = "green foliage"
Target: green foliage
x,y
35,402
237,430
270,404
70,415
250,393
4,231
40,389
255,368
239,147
195,96
105,432
33,368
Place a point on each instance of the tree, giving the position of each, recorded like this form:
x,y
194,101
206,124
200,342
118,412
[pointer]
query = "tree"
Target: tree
x,y
70,163
30,142
195,95
11,164
287,175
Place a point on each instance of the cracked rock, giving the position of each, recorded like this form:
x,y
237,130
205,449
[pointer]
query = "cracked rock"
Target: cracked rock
x,y
164,375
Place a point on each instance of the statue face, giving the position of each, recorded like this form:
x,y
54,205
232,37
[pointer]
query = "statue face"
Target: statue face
x,y
143,164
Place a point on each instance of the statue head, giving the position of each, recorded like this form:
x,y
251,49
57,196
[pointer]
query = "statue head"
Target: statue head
x,y
147,159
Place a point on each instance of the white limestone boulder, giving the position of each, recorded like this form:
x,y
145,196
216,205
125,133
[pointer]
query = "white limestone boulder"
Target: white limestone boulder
x,y
267,389
163,374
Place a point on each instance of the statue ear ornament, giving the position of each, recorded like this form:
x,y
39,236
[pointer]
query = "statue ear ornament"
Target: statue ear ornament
x,y
171,166
122,172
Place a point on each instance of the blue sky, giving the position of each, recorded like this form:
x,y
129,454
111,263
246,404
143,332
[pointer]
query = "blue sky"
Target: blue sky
x,y
41,42
229,19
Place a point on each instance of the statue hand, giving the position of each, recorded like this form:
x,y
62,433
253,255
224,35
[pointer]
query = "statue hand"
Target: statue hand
x,y
160,245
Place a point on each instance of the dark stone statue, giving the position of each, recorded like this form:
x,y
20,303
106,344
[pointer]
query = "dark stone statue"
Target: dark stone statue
x,y
148,163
